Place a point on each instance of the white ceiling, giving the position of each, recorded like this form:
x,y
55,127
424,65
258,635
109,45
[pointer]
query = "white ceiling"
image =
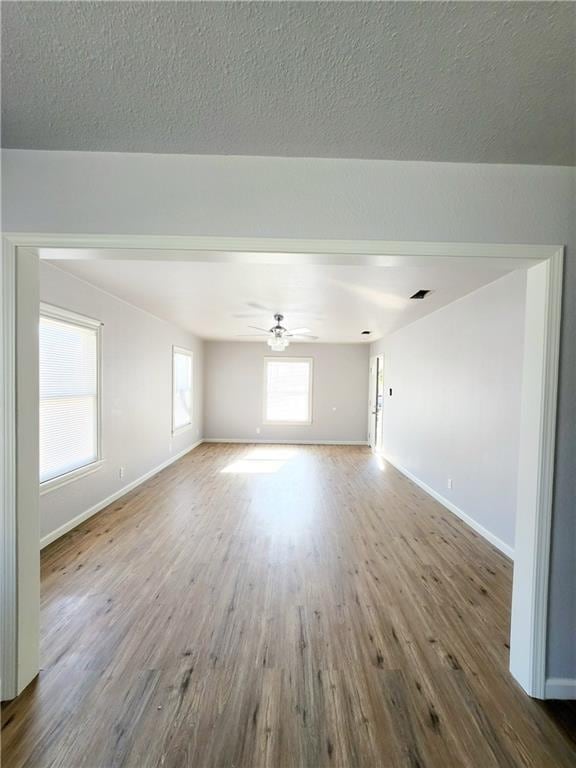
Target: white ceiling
x,y
216,300
446,81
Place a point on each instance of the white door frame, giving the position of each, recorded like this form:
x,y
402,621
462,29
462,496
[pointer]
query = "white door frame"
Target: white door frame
x,y
374,438
20,548
371,400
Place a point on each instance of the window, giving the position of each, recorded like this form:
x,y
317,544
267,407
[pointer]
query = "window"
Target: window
x,y
288,390
69,395
181,389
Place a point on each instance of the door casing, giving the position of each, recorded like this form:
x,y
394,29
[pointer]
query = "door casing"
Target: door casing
x,y
19,598
375,426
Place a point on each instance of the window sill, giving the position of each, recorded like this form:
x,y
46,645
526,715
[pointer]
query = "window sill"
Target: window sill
x,y
180,430
69,477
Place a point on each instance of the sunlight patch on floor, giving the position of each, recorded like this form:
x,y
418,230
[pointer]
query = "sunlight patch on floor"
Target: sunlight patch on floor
x,y
260,461
381,463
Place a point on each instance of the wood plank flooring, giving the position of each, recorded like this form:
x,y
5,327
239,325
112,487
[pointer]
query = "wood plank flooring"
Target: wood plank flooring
x,y
278,607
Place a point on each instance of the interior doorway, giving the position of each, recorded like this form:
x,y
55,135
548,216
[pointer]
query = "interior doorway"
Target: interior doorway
x,y
376,402
20,298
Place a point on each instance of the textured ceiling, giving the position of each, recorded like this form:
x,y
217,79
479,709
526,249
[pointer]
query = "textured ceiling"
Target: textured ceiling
x,y
467,81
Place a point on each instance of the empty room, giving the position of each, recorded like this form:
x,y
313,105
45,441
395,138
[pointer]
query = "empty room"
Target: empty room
x,y
288,362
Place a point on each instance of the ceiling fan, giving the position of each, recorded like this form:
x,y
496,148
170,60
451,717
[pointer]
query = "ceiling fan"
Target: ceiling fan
x,y
257,310
278,337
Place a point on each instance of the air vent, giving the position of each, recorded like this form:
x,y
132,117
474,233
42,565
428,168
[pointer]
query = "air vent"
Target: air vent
x,y
421,294
366,333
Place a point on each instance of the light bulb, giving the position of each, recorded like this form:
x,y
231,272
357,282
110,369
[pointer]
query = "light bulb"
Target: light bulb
x,y
277,343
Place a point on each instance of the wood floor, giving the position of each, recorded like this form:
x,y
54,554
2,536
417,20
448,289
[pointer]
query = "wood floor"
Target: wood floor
x,y
290,607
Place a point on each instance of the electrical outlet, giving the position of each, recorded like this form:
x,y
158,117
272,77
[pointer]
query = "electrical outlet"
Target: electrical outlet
x,y
449,484
257,430
122,472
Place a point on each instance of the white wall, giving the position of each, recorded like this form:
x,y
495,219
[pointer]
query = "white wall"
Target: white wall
x,y
456,379
136,395
234,381
128,193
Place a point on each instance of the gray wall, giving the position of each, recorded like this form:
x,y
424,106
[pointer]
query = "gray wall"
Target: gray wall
x,y
136,395
115,193
456,378
234,381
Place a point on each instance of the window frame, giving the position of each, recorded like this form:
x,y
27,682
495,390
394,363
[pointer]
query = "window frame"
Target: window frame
x,y
288,359
189,425
74,318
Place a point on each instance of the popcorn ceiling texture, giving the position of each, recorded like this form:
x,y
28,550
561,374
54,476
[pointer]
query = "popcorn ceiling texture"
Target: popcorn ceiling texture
x,y
471,82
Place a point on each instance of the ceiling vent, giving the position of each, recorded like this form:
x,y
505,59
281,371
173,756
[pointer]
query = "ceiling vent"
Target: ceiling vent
x,y
421,294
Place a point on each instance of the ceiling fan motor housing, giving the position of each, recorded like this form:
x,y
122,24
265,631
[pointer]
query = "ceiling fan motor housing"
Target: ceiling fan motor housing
x,y
278,329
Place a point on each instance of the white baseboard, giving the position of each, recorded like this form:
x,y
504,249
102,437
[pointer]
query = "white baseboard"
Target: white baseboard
x,y
282,442
484,532
50,537
560,688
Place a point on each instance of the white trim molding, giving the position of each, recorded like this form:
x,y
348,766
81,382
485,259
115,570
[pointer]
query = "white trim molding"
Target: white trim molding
x,y
63,315
264,441
561,688
544,264
285,360
262,250
69,477
71,524
20,591
189,424
9,573
506,549
529,623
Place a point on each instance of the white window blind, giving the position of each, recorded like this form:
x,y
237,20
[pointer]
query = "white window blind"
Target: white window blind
x,y
69,418
288,385
182,388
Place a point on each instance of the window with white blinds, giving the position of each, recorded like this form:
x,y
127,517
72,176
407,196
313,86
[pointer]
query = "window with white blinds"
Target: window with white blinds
x,y
181,388
69,392
288,390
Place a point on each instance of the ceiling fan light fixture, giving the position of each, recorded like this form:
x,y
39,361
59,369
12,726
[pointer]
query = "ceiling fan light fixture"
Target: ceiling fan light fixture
x,y
278,337
277,343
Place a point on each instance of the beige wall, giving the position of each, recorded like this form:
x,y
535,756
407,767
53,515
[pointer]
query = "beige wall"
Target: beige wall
x,y
136,395
454,412
233,386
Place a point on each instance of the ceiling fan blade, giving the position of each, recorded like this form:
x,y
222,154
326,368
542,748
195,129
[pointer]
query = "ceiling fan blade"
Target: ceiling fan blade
x,y
252,335
299,331
255,305
302,336
256,328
